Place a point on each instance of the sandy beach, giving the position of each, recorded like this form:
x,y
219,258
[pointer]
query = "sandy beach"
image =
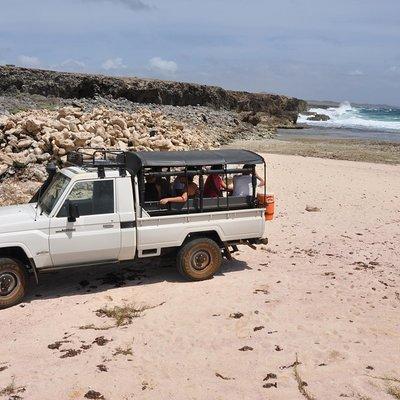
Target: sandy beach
x,y
315,314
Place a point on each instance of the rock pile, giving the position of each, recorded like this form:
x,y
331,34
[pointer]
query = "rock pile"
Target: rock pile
x,y
29,140
37,136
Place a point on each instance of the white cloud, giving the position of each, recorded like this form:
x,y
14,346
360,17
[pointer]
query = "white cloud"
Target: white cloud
x,y
70,65
113,63
132,4
28,61
165,67
395,69
356,72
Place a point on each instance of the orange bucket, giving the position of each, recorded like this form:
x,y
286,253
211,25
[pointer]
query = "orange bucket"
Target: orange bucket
x,y
267,201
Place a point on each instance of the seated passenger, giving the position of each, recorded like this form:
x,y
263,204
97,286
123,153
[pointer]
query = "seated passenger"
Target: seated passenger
x,y
178,187
155,187
151,192
162,185
243,185
190,190
214,185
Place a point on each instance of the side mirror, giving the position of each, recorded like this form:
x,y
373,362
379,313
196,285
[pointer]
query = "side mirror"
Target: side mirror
x,y
73,212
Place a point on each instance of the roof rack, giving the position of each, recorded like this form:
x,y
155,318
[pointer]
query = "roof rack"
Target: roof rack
x,y
100,158
142,159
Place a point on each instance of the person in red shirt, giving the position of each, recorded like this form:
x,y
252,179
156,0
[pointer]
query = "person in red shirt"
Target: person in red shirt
x,y
214,185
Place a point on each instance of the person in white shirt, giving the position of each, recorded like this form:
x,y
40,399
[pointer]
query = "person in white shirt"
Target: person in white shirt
x,y
243,185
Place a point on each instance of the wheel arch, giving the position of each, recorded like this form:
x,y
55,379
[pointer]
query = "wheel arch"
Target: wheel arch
x,y
21,254
211,234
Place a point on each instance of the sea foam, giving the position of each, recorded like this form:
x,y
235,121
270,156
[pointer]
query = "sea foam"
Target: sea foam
x,y
353,117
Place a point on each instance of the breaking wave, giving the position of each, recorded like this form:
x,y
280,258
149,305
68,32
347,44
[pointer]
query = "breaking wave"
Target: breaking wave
x,y
357,117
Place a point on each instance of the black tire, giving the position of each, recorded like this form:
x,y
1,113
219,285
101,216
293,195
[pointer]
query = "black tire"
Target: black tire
x,y
13,282
199,259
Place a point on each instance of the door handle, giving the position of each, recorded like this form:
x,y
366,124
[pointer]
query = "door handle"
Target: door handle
x,y
106,226
66,230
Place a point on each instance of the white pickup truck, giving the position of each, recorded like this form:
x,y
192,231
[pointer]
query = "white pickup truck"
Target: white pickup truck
x,y
100,210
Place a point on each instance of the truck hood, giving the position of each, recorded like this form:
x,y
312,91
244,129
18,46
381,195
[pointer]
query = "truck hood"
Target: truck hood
x,y
19,218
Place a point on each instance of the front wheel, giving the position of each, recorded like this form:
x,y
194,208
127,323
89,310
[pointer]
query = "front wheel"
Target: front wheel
x,y
199,259
13,282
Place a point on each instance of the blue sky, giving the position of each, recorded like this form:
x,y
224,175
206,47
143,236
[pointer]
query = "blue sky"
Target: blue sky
x,y
327,50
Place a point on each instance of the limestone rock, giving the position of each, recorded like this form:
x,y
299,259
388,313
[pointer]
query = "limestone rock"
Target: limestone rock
x,y
318,117
24,144
3,169
97,142
10,124
81,138
5,159
21,160
32,125
119,122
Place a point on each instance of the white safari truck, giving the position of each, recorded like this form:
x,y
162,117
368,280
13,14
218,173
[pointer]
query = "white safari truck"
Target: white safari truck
x,y
105,207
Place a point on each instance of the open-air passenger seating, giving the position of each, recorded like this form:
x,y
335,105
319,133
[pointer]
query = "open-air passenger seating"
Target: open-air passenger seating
x,y
193,205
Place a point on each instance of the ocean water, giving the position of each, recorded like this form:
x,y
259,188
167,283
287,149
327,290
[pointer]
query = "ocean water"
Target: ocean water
x,y
365,118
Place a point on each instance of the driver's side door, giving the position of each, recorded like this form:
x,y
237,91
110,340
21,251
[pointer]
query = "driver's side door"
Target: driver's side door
x,y
95,236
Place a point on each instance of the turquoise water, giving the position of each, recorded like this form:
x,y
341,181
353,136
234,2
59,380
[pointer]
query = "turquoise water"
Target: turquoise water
x,y
388,114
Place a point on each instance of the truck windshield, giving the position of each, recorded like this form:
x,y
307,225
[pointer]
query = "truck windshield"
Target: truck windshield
x,y
53,192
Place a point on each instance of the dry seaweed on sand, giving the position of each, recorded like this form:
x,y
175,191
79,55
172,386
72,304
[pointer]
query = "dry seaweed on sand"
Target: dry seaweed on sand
x,y
236,315
123,315
127,351
225,378
258,328
3,367
56,345
394,391
385,378
101,341
246,348
95,328
102,368
12,389
93,395
70,353
301,385
270,385
312,208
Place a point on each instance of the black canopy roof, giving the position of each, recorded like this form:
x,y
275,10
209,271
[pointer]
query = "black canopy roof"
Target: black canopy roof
x,y
137,160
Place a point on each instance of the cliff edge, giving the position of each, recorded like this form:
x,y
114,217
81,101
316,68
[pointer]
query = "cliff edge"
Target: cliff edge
x,y
74,85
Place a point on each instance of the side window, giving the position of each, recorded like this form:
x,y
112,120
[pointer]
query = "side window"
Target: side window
x,y
91,197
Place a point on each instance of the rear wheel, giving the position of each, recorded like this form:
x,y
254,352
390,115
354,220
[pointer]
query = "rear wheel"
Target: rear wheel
x,y
199,259
13,282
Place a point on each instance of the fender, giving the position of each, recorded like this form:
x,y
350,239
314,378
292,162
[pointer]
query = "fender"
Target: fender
x,y
17,244
28,255
210,231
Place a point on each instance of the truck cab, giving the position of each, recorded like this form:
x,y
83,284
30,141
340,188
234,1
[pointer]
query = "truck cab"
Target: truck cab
x,y
97,211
